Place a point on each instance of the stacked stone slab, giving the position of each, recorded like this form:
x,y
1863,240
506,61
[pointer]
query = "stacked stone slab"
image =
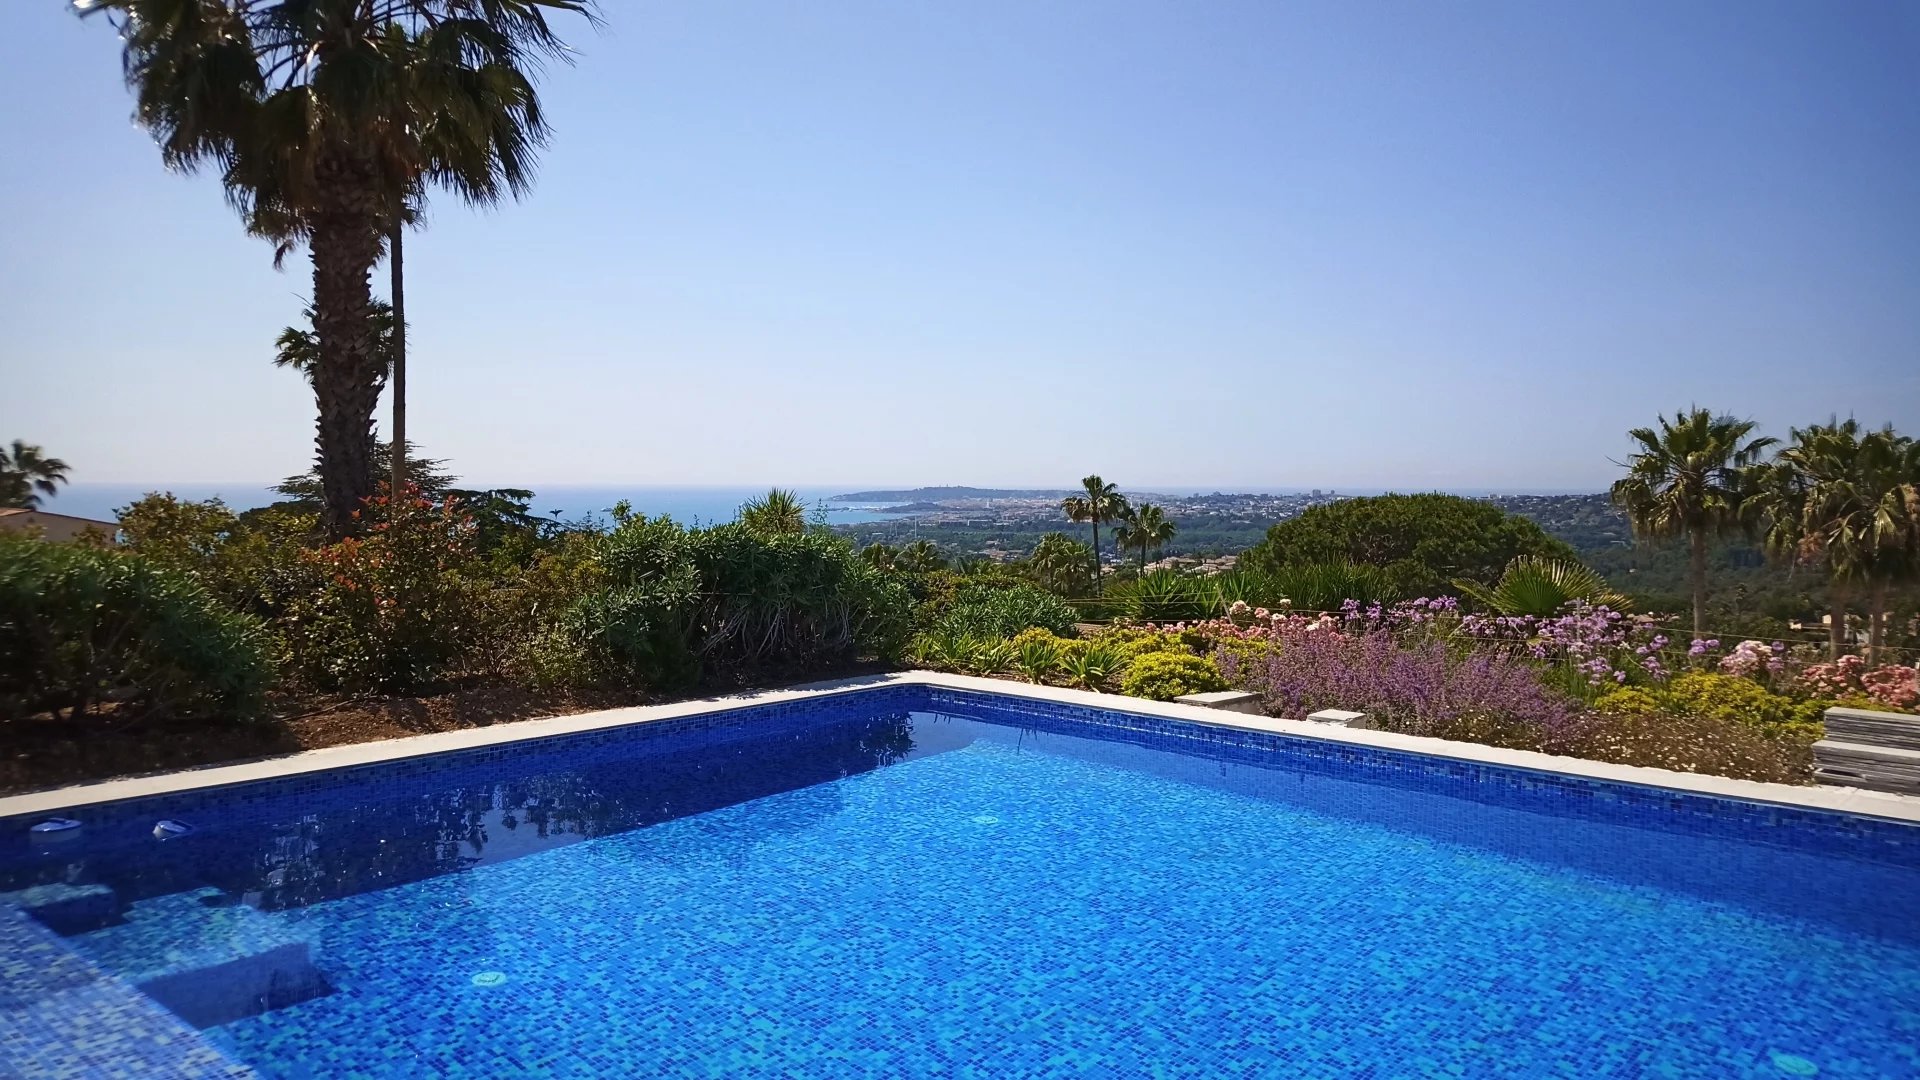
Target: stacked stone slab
x,y
1867,749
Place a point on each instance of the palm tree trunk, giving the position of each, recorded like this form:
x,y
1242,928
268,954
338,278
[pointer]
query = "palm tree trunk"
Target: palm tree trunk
x,y
1096,556
1697,578
396,265
1876,621
346,377
1836,619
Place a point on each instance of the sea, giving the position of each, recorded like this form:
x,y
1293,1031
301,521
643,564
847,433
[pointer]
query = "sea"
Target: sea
x,y
686,504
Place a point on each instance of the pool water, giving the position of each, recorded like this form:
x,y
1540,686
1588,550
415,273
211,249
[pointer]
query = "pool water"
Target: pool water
x,y
931,894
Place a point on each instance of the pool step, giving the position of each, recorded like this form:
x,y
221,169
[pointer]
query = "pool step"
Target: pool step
x,y
1879,751
64,908
61,1015
209,959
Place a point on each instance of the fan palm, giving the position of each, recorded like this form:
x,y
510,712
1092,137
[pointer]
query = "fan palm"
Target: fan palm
x,y
1691,479
1145,527
323,116
1532,585
26,474
1098,502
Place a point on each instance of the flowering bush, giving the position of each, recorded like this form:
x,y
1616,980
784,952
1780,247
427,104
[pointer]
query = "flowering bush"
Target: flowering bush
x,y
1890,686
1755,660
393,607
1417,687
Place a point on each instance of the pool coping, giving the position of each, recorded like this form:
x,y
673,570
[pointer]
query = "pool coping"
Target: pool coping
x,y
1852,801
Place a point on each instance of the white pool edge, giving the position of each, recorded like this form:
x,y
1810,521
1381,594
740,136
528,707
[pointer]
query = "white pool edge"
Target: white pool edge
x,y
1902,808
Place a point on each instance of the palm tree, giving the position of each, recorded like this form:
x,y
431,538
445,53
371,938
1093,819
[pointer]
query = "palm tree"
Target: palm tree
x,y
1892,528
1145,527
1059,564
1840,495
777,513
920,557
1805,493
879,555
323,117
1691,478
25,475
1098,502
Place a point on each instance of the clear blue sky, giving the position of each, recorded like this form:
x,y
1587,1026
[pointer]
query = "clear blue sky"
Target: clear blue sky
x,y
1219,244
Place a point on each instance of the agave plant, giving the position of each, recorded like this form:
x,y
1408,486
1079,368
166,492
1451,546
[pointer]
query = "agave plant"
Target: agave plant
x,y
1092,667
1036,658
944,650
987,656
1532,585
1167,595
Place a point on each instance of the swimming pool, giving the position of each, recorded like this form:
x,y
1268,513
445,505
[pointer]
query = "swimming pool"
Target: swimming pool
x,y
914,880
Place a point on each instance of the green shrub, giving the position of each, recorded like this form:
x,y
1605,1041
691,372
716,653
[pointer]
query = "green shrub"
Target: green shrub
x,y
80,626
1422,543
670,606
1129,641
1163,676
1001,610
793,599
1724,699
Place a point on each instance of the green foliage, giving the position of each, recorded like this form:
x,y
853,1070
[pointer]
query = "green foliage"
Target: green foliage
x,y
1324,586
80,626
1722,698
1421,543
1163,676
632,623
427,476
1535,586
252,562
1000,610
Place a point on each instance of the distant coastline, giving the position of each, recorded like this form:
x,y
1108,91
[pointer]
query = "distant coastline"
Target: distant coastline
x,y
945,494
